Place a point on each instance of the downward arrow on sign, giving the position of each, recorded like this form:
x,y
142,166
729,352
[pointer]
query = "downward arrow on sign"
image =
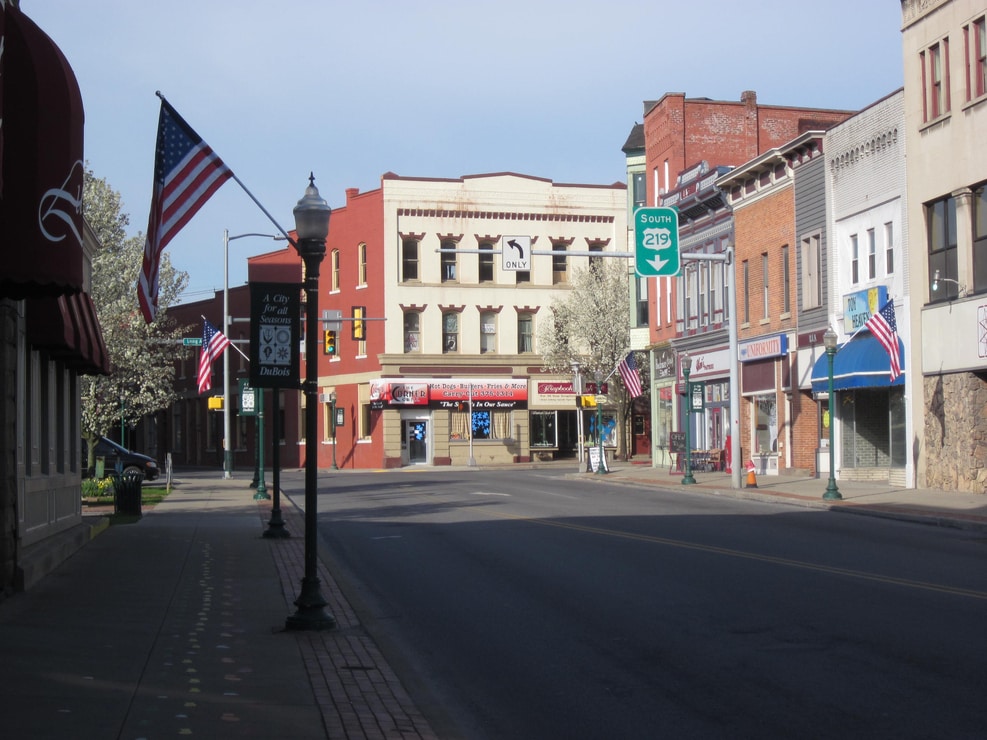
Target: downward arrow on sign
x,y
657,263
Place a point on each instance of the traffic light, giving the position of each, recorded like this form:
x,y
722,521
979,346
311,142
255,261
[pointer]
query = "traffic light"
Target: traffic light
x,y
359,325
330,342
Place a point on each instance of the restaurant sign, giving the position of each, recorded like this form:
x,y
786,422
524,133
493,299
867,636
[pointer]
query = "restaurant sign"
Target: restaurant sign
x,y
443,393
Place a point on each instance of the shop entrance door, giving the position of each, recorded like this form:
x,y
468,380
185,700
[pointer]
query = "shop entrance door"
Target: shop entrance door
x,y
416,432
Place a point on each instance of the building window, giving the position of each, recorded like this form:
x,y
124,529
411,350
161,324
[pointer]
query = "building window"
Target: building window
x,y
409,260
889,248
980,239
639,194
764,290
871,254
412,331
479,424
486,263
361,277
560,265
811,272
747,292
488,332
544,429
940,217
786,304
334,269
854,259
703,293
450,332
525,322
975,35
448,260
935,80
765,409
641,301
595,262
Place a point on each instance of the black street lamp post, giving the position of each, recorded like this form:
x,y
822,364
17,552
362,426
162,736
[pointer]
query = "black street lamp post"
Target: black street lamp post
x,y
312,228
688,478
829,342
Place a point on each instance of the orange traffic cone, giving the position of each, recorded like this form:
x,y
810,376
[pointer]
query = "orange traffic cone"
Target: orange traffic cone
x,y
751,477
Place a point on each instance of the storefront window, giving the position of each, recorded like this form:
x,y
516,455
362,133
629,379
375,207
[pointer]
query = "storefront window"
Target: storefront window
x,y
543,429
482,425
766,425
872,423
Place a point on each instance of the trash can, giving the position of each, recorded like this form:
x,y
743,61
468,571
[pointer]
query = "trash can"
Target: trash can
x,y
127,492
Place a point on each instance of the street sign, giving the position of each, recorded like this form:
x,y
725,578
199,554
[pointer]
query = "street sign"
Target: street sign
x,y
192,341
248,399
656,237
515,253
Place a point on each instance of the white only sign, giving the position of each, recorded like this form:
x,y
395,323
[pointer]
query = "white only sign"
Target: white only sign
x,y
515,253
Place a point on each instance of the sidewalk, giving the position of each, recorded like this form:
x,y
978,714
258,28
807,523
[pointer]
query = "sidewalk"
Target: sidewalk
x,y
174,625
925,505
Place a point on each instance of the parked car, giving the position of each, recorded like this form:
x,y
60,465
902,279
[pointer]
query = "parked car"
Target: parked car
x,y
112,454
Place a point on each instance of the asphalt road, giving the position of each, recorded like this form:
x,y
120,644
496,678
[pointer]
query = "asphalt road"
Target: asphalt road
x,y
519,604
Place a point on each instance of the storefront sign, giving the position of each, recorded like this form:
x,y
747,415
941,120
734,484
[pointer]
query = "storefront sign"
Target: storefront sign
x,y
713,363
451,393
860,306
764,347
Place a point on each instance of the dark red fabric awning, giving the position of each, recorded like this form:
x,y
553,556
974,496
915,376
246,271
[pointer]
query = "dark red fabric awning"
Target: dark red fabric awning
x,y
68,329
42,165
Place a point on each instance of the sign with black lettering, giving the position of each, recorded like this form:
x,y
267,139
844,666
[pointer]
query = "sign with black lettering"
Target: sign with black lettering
x,y
275,335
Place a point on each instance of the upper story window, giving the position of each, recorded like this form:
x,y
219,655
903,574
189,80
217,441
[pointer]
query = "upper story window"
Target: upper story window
x,y
525,332
940,224
639,190
975,36
488,332
412,331
765,287
334,269
871,254
854,259
786,304
450,332
935,80
595,261
361,252
746,270
811,272
409,260
889,248
640,301
980,238
486,266
448,261
560,265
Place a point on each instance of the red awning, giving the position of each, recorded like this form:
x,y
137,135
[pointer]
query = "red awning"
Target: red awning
x,y
42,165
68,329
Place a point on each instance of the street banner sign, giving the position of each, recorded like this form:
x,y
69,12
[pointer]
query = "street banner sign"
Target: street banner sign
x,y
656,237
275,335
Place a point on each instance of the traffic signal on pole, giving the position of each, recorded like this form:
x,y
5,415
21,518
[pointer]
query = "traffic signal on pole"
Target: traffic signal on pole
x,y
359,325
330,342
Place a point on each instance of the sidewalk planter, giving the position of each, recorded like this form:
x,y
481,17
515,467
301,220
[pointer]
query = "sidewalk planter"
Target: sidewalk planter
x,y
127,492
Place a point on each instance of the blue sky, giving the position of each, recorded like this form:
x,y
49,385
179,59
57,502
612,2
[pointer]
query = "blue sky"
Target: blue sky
x,y
432,88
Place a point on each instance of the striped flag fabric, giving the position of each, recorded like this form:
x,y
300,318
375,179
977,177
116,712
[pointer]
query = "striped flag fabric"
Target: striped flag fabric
x,y
629,374
884,327
213,344
186,174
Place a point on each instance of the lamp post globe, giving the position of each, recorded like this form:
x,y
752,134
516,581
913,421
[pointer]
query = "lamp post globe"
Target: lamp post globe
x,y
688,478
311,227
829,342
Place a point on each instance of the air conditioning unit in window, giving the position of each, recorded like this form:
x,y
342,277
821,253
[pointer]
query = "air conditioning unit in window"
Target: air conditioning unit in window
x,y
325,397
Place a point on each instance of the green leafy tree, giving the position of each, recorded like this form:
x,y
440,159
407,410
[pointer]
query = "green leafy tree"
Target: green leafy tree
x,y
590,326
142,356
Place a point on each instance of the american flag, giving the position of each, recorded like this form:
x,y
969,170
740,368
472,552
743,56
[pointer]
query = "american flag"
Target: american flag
x,y
884,327
629,374
213,344
186,174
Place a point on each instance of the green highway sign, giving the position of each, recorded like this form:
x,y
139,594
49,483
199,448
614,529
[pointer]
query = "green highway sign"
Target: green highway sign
x,y
192,341
656,239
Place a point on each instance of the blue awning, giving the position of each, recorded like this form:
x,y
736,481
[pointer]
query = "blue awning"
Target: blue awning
x,y
862,363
